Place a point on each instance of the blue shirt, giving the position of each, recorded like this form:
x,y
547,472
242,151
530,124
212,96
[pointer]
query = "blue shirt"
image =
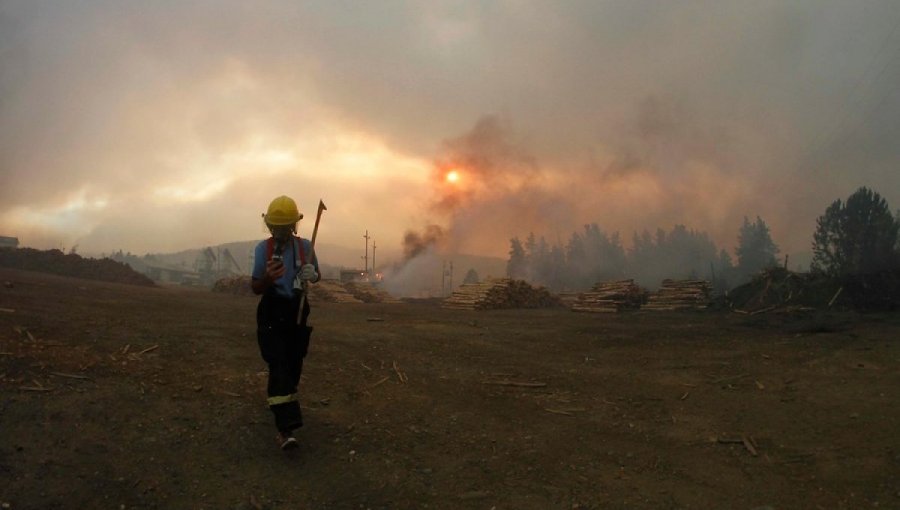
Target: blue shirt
x,y
284,286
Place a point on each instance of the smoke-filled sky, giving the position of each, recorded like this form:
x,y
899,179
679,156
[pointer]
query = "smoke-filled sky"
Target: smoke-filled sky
x,y
165,125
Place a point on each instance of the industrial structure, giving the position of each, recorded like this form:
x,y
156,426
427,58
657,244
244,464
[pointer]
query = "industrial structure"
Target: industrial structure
x,y
9,242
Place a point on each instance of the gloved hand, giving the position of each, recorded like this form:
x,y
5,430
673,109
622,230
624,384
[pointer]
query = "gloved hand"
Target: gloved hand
x,y
308,273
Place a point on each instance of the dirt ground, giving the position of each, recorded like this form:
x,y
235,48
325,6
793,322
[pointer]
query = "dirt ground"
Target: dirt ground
x,y
116,396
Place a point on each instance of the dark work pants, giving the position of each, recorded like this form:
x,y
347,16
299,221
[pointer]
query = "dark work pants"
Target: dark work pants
x,y
283,344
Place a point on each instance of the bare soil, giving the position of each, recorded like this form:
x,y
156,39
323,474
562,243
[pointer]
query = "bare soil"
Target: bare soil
x,y
116,396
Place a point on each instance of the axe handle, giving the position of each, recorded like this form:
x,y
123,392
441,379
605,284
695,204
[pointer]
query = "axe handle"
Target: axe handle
x,y
312,246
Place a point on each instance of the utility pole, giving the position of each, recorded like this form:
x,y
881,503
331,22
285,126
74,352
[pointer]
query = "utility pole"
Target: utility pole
x,y
446,277
366,268
373,257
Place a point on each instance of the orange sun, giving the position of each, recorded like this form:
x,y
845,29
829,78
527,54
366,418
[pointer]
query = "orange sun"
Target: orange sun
x,y
452,176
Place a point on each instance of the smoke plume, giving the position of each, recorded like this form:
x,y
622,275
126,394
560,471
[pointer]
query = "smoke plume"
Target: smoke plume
x,y
415,244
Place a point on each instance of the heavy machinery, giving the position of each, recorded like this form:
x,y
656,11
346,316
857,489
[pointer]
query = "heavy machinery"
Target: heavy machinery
x,y
212,267
234,264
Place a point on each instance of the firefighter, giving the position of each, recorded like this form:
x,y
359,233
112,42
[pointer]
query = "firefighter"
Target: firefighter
x,y
281,264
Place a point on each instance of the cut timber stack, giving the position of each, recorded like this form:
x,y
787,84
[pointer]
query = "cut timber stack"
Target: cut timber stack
x,y
680,295
331,291
368,293
497,293
610,297
568,298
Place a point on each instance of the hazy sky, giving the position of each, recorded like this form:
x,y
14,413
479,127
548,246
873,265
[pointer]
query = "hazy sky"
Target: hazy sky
x,y
159,126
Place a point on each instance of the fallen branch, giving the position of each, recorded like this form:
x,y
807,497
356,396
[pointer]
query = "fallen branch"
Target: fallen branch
x,y
400,375
149,349
380,381
749,446
566,412
836,294
516,383
7,310
33,388
70,376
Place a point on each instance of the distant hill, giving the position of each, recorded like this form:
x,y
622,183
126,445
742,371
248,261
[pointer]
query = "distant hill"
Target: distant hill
x,y
73,265
332,258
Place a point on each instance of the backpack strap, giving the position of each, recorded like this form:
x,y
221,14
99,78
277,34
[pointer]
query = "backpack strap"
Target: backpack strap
x,y
270,248
302,251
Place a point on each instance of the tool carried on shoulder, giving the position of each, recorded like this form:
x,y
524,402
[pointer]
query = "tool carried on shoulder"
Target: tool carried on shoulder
x,y
312,255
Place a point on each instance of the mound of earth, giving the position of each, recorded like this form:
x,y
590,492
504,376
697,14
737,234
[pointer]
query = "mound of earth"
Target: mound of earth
x,y
74,265
238,285
780,288
777,287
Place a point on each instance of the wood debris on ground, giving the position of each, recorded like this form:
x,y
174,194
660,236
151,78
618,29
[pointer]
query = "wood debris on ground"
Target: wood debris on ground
x,y
331,291
367,292
680,295
610,297
496,293
518,384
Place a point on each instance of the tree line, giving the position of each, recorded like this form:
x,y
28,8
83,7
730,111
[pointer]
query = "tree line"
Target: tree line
x,y
858,236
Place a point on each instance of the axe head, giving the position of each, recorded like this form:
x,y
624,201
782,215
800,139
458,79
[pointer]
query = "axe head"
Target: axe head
x,y
322,205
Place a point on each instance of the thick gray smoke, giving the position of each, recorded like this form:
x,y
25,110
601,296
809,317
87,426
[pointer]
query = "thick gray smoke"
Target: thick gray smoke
x,y
164,125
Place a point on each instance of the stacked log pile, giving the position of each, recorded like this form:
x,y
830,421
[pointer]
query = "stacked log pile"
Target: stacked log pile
x,y
610,297
568,299
368,293
680,295
331,291
498,293
237,285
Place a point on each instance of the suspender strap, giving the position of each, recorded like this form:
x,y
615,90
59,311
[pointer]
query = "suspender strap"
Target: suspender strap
x,y
270,249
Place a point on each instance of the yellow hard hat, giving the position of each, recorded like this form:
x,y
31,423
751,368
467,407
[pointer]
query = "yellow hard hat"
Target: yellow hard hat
x,y
282,211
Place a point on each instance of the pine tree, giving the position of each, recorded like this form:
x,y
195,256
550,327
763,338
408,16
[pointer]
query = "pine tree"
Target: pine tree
x,y
858,236
756,250
516,266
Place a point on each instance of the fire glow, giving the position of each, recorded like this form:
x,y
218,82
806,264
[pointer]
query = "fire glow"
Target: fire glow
x,y
452,177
